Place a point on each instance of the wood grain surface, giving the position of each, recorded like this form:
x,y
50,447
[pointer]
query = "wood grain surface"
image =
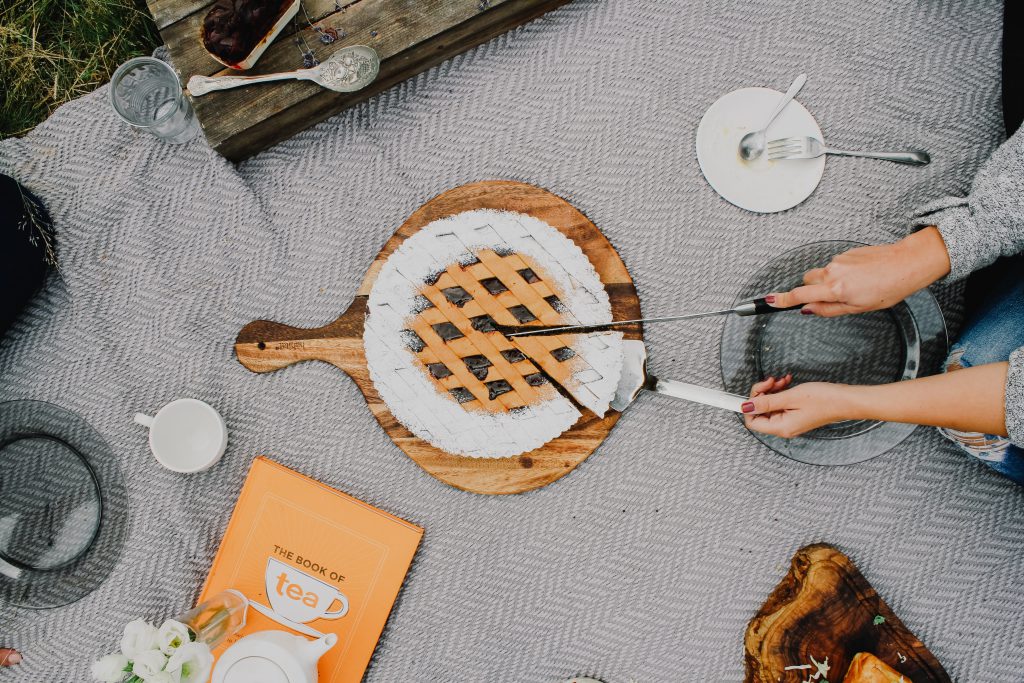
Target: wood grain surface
x,y
264,346
823,608
410,36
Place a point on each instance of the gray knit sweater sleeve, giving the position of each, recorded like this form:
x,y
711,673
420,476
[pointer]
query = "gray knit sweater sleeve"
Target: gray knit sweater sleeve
x,y
980,228
989,222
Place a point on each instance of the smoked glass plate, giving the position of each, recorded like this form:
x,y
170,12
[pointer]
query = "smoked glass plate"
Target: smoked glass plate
x,y
63,506
900,343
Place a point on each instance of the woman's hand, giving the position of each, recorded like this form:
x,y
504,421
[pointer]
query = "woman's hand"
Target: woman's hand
x,y
870,278
970,400
9,657
774,408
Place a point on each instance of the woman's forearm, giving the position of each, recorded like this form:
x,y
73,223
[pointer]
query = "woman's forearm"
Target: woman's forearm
x,y
971,399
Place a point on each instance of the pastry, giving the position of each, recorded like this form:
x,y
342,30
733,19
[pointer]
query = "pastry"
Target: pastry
x,y
236,32
439,360
867,668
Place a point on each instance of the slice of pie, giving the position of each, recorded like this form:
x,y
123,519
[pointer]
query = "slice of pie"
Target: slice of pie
x,y
438,305
867,668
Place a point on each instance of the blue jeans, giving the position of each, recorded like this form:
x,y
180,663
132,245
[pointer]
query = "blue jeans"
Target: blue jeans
x,y
991,334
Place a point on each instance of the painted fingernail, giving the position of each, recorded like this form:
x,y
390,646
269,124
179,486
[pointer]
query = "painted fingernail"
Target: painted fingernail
x,y
770,298
13,658
806,311
747,407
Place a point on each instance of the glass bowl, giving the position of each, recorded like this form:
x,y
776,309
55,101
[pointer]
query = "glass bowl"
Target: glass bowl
x,y
903,342
63,506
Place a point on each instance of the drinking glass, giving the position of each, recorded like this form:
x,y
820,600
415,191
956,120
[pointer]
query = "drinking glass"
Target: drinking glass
x,y
146,93
217,619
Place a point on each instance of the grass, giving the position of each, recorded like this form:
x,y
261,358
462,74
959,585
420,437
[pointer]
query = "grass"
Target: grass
x,y
52,51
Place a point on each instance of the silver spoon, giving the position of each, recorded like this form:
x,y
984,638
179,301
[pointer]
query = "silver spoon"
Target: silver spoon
x,y
347,70
752,144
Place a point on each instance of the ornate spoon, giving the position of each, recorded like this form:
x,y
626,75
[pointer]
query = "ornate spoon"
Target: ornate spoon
x,y
347,70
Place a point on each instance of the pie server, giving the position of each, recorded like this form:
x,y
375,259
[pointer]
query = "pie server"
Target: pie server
x,y
635,379
754,307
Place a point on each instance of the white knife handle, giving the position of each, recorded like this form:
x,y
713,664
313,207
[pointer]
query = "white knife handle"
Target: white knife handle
x,y
200,85
699,394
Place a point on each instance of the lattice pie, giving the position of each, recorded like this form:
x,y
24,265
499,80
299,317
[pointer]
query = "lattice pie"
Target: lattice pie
x,y
438,359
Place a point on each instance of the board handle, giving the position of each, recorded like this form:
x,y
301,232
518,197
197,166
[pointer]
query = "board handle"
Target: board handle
x,y
265,346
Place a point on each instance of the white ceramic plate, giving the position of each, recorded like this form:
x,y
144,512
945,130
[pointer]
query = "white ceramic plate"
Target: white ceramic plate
x,y
761,185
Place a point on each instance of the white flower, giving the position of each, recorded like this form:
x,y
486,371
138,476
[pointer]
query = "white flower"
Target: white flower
x,y
149,663
173,634
110,669
193,661
138,637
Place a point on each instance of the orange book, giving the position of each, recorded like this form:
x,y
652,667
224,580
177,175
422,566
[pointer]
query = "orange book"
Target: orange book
x,y
313,560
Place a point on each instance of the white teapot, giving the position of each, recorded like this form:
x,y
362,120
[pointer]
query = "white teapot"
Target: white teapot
x,y
272,657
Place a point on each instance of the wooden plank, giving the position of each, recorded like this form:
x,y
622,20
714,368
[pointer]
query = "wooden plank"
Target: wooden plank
x,y
221,112
166,12
264,346
321,104
409,36
424,21
357,20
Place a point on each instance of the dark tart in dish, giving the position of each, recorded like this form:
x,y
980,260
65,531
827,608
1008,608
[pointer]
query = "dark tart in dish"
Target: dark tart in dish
x,y
236,32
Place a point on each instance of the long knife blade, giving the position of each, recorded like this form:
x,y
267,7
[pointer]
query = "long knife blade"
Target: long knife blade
x,y
755,307
532,332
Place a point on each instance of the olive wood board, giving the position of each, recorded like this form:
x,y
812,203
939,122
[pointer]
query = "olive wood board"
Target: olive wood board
x,y
410,36
264,346
824,607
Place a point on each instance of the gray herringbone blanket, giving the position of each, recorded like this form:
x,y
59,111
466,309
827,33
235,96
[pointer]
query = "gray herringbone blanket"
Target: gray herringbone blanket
x,y
647,561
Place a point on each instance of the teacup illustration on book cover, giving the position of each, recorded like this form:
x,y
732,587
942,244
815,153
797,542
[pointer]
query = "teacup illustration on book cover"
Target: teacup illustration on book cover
x,y
300,597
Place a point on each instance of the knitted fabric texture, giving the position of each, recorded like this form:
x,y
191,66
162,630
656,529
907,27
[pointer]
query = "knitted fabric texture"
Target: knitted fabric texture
x,y
646,562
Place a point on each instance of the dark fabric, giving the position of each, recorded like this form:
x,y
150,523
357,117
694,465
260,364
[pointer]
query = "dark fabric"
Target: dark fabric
x,y
980,285
22,249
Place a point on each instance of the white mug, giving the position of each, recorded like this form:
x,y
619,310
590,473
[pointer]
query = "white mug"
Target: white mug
x,y
297,596
186,435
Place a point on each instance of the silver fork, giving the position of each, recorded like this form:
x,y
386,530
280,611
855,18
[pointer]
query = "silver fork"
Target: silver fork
x,y
810,148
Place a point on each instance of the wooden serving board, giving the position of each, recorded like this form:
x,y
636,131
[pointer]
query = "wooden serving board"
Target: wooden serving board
x,y
824,607
264,346
410,36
